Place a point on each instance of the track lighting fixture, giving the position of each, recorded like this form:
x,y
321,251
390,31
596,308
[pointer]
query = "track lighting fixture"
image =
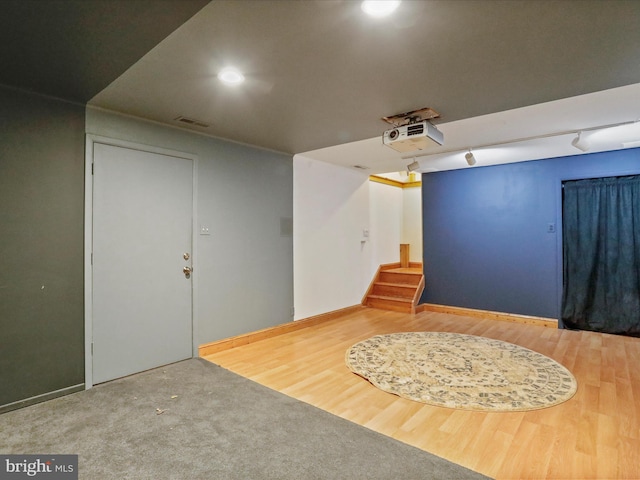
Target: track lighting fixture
x,y
592,139
581,142
471,160
415,165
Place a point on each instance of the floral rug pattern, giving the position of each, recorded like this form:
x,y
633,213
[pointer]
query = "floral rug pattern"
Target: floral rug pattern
x,y
461,371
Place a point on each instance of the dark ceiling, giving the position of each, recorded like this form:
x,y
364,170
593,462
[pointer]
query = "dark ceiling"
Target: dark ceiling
x,y
320,72
73,49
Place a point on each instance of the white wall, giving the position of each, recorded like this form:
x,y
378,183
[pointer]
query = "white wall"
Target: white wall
x,y
396,217
332,266
412,221
386,223
244,269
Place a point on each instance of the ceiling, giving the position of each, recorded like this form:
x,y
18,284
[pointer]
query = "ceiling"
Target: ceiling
x,y
535,132
321,74
72,49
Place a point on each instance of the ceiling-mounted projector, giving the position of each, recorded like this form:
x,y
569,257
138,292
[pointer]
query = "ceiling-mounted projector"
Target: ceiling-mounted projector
x,y
412,137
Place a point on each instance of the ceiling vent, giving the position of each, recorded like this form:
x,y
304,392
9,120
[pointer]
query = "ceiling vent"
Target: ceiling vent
x,y
192,122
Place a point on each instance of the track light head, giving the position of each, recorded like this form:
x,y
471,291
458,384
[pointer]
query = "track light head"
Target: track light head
x,y
415,165
471,160
581,142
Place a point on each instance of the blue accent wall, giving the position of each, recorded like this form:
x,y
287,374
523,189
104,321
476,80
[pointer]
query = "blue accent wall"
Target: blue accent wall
x,y
486,231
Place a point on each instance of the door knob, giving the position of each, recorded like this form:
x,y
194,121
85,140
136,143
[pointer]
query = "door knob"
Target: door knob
x,y
187,271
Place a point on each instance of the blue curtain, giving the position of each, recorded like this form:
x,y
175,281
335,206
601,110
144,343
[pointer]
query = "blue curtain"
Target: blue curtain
x,y
601,255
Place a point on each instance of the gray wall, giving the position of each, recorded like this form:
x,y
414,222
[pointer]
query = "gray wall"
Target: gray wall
x,y
244,269
41,247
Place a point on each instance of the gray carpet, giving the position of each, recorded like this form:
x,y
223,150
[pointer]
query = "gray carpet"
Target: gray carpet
x,y
218,425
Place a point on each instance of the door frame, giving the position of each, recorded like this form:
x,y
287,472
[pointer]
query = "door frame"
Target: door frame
x,y
90,141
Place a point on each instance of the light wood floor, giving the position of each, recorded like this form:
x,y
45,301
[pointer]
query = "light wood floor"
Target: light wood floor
x,y
595,435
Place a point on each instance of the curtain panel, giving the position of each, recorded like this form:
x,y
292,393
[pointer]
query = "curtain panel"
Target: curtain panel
x,y
601,255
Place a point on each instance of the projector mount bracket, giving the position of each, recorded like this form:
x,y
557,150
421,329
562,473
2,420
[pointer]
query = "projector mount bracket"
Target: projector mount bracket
x,y
409,118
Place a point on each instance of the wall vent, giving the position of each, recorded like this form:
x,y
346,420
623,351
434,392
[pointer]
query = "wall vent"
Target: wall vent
x,y
191,121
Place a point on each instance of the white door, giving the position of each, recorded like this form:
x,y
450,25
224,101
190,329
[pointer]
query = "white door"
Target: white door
x,y
142,232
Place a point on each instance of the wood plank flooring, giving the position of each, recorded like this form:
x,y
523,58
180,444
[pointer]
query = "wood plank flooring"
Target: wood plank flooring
x,y
595,435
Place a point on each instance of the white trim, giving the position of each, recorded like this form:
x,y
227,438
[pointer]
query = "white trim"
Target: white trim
x,y
92,139
88,270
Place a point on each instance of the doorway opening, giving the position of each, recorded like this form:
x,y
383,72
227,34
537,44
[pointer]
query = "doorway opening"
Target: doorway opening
x,y
601,254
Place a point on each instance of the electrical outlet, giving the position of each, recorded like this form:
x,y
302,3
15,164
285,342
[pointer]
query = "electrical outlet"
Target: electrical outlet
x,y
551,228
204,230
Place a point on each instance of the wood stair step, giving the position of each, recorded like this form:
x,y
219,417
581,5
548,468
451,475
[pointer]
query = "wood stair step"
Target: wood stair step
x,y
395,304
395,288
393,284
397,277
392,299
389,289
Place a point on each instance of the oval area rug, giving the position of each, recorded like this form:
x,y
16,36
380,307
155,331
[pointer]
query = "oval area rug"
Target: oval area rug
x,y
461,371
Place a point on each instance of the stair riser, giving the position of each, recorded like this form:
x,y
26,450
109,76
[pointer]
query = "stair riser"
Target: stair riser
x,y
394,291
389,305
392,277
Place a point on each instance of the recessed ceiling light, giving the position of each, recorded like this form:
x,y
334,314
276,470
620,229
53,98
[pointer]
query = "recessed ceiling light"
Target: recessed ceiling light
x,y
231,76
379,8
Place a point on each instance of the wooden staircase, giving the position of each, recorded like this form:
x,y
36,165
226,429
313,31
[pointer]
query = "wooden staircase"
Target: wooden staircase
x,y
396,288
